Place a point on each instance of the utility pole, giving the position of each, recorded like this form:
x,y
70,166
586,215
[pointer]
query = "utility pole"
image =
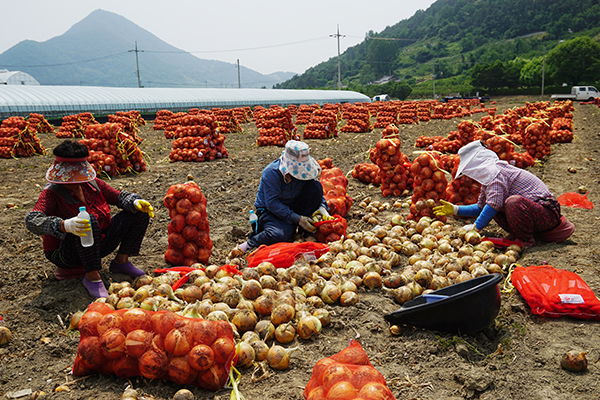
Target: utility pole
x,y
543,72
337,35
238,67
433,76
137,63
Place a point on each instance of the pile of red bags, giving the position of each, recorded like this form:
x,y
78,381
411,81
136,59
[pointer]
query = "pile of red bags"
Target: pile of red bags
x,y
39,123
393,167
429,184
161,119
73,126
348,374
226,122
322,125
155,345
275,127
334,188
189,240
386,115
304,112
358,119
19,139
113,151
197,139
367,173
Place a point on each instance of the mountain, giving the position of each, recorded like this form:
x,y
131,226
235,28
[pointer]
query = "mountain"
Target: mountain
x,y
455,35
99,51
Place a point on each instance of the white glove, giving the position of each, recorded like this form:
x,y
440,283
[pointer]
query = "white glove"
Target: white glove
x,y
144,206
306,225
469,227
77,226
324,213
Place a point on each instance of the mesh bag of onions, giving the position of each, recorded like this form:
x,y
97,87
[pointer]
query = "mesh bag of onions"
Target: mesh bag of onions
x,y
155,345
347,375
331,230
334,188
189,240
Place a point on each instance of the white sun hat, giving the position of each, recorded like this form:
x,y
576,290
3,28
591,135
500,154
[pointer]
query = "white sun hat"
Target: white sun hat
x,y
478,163
297,162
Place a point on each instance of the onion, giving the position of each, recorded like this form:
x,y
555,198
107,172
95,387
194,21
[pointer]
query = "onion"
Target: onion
x,y
416,289
153,364
372,280
73,323
192,293
135,319
402,294
265,330
423,277
282,313
246,355
308,327
142,293
278,357
268,282
251,289
472,237
331,293
260,350
250,273
180,371
137,342
341,391
375,390
574,361
263,305
223,349
179,341
285,333
149,304
232,297
244,320
323,315
349,298
109,321
183,394
266,268
315,301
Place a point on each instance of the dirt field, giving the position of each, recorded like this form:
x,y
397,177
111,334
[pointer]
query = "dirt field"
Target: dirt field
x,y
516,358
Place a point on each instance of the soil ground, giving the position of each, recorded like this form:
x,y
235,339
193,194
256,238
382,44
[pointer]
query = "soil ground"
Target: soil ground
x,y
517,357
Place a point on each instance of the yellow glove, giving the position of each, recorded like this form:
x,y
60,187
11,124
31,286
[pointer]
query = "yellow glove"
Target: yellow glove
x,y
77,226
445,209
144,206
306,224
323,212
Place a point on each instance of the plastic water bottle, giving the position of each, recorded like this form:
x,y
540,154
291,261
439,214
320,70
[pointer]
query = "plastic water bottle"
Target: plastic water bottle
x,y
88,240
253,221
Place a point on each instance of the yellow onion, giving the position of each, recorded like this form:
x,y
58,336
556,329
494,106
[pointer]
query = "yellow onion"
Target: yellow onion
x,y
268,282
308,327
315,301
244,320
278,357
402,294
250,273
423,277
245,355
574,361
348,299
74,321
472,237
150,304
5,335
265,330
331,293
251,289
372,280
416,288
266,268
323,315
182,394
282,313
263,305
285,333
260,350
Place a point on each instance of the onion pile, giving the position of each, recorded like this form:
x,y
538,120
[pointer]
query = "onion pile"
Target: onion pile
x,y
358,118
393,167
73,126
386,115
275,127
429,186
334,188
322,125
367,173
226,121
19,139
189,240
304,112
198,139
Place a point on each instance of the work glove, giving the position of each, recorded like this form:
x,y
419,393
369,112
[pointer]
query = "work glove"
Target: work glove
x,y
77,226
470,227
323,212
445,209
306,224
144,206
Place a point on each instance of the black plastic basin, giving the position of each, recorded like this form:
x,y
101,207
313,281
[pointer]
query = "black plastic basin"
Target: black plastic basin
x,y
467,308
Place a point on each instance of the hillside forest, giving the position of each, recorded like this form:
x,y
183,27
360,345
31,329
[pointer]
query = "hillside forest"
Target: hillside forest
x,y
468,46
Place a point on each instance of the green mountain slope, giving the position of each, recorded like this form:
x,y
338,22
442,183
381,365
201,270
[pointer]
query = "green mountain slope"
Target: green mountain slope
x,y
455,35
97,51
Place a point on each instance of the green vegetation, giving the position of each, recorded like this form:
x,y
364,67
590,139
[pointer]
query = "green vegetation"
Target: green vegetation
x,y
486,46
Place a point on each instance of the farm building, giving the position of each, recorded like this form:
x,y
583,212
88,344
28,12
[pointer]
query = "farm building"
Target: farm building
x,y
16,78
57,101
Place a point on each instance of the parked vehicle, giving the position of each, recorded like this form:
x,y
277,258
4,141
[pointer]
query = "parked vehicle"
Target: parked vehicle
x,y
382,97
578,93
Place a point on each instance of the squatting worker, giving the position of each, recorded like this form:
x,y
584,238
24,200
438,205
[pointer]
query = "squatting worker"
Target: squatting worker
x,y
73,184
288,195
515,198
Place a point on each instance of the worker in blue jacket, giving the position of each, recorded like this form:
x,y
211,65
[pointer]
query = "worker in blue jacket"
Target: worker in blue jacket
x,y
288,195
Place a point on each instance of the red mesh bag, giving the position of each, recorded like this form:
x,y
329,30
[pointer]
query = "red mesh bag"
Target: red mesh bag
x,y
155,345
576,200
553,292
283,255
331,230
347,375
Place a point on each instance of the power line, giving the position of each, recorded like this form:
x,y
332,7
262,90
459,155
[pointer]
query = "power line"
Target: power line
x,y
68,63
243,49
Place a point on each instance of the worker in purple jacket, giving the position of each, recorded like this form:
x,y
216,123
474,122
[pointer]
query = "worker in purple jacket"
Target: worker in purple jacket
x,y
288,195
515,198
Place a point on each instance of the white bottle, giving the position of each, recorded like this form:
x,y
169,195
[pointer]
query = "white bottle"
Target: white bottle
x,y
253,221
88,240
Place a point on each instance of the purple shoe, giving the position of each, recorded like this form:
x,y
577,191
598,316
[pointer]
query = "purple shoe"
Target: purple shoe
x,y
127,268
95,289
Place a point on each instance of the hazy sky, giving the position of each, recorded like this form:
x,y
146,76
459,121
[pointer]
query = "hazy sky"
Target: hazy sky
x,y
265,35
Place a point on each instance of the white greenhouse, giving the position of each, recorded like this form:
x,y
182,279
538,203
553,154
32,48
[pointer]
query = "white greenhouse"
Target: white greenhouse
x,y
16,78
58,101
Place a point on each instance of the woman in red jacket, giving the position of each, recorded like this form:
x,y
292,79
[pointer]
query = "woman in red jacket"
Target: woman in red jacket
x,y
73,184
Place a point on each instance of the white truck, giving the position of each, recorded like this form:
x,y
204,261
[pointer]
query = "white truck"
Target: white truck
x,y
578,93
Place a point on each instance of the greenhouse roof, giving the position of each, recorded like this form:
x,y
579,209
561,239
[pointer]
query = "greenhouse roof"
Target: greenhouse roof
x,y
58,101
16,78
